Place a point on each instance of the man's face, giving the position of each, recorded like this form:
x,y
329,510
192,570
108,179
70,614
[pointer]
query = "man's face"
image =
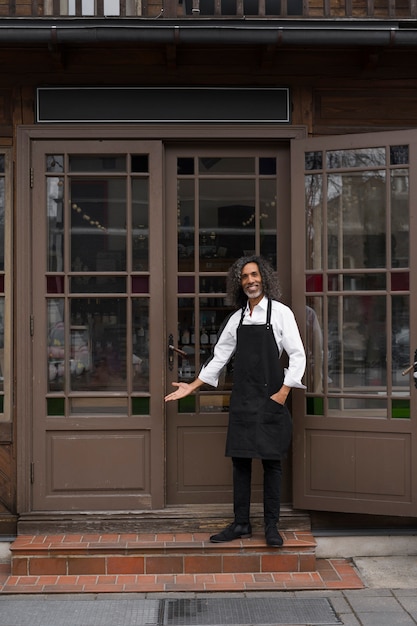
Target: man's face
x,y
251,280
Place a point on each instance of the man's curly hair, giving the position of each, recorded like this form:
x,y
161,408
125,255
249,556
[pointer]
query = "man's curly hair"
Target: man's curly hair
x,y
270,282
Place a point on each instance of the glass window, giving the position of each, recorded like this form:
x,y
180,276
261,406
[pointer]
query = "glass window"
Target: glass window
x,y
358,304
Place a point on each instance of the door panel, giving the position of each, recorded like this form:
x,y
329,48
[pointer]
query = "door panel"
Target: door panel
x,y
355,449
222,202
97,315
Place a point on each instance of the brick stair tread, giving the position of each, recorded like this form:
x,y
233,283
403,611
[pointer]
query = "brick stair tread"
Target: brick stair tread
x,y
331,574
132,543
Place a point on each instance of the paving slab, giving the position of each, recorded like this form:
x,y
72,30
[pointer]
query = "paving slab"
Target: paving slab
x,y
393,572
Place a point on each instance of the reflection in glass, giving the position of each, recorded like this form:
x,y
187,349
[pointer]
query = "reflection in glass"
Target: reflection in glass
x,y
185,219
314,221
54,163
98,224
140,224
313,160
401,354
356,220
399,155
314,344
268,220
357,346
55,223
140,352
359,157
400,247
56,344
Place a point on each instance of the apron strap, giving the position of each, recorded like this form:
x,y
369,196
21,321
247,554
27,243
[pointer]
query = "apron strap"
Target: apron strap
x,y
268,314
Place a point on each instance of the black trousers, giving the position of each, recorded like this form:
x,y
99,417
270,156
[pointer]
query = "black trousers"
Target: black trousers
x,y
242,476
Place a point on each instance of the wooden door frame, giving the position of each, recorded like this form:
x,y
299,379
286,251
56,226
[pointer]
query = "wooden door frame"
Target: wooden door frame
x,y
23,291
334,503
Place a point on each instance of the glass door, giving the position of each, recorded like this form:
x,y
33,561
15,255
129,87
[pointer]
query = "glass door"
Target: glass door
x,y
356,447
222,203
97,319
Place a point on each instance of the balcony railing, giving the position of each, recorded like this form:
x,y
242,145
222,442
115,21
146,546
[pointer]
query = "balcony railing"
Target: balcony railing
x,y
219,9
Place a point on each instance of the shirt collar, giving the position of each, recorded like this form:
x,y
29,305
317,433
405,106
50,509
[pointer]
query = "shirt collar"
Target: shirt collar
x,y
263,304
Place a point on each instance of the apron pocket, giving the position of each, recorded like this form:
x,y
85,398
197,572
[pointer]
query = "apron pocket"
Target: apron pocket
x,y
275,430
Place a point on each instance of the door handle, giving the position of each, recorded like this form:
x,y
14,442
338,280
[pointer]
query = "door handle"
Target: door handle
x,y
412,368
171,350
177,350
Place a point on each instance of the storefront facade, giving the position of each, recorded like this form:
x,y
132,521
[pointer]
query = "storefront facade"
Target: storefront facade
x,y
130,184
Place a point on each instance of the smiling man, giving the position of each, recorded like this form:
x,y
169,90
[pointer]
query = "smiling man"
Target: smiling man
x,y
260,424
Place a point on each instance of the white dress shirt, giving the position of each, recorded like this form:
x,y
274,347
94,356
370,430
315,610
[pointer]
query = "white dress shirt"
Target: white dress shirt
x,y
287,337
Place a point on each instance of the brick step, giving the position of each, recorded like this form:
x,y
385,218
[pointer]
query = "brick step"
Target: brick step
x,y
156,554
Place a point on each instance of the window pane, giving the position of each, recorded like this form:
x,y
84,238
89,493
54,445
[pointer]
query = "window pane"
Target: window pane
x,y
226,165
362,157
185,215
99,163
314,221
140,224
56,344
357,208
314,345
227,219
98,224
98,344
399,155
140,352
357,343
268,219
55,163
401,356
400,249
55,223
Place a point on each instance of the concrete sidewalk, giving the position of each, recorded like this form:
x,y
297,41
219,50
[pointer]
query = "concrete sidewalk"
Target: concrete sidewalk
x,y
367,607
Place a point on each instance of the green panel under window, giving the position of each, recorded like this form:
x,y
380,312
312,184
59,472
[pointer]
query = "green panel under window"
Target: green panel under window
x,y
401,408
140,406
186,405
56,406
315,406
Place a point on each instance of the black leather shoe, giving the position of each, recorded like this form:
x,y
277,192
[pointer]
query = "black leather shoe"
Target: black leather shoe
x,y
231,532
272,536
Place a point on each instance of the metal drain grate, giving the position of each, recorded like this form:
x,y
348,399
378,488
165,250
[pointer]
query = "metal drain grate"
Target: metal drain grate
x,y
240,611
128,611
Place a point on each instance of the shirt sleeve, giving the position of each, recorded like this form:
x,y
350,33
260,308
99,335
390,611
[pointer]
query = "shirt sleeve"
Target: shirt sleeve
x,y
288,338
222,352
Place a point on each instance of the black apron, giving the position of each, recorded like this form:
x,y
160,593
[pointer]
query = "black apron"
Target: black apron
x,y
258,426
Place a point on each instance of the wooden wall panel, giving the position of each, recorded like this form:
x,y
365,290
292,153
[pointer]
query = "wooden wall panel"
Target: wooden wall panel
x,y
353,110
